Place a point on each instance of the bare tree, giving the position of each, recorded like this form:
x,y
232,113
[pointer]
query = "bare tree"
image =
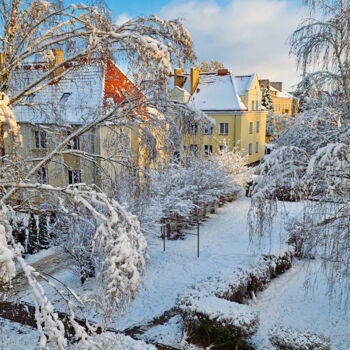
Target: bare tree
x,y
311,162
32,29
211,66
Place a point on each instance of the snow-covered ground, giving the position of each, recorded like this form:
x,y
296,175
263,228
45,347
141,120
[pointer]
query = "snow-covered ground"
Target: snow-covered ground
x,y
14,336
224,243
289,302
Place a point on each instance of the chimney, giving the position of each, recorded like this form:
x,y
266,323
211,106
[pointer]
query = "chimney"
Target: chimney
x,y
277,85
58,59
264,84
58,56
178,77
222,71
194,79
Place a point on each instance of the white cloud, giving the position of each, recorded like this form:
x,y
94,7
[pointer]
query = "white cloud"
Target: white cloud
x,y
246,35
122,18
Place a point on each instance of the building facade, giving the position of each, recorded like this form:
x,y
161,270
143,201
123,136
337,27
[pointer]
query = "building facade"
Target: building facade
x,y
234,102
49,115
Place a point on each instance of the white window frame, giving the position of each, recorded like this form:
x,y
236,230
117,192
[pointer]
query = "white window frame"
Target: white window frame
x,y
193,129
256,147
222,148
258,126
208,130
223,128
207,150
42,176
193,149
74,176
250,127
74,143
250,151
40,139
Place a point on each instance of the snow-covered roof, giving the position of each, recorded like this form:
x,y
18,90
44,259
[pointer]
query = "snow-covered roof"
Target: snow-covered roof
x,y
281,94
217,92
77,98
244,83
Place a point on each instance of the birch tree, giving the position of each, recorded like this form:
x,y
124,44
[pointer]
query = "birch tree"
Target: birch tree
x,y
311,163
32,29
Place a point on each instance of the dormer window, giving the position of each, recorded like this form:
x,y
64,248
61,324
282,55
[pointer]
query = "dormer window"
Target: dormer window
x,y
30,98
64,98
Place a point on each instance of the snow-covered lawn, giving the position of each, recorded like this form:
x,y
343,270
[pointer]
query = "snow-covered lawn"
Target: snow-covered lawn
x,y
14,336
287,302
224,243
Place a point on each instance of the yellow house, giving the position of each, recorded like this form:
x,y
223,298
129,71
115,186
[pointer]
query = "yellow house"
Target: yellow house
x,y
285,106
81,96
283,102
234,102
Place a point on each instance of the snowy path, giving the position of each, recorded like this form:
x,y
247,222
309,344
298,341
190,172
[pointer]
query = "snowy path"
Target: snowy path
x,y
49,262
224,243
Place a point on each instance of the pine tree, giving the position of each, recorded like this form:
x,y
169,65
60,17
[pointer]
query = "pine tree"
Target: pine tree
x,y
43,233
266,100
32,246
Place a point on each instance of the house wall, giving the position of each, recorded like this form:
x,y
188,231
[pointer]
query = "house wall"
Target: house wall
x,y
238,134
286,106
253,95
57,170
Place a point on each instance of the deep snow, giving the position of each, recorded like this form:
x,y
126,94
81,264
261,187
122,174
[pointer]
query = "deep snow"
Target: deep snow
x,y
224,244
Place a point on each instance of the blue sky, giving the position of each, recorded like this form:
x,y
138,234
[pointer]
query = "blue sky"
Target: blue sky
x,y
246,35
143,7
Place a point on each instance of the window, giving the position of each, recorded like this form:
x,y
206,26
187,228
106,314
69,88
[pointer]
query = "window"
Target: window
x,y
193,149
221,148
30,98
64,98
177,156
207,130
257,105
193,129
253,105
257,126
42,175
208,150
257,147
250,149
40,139
250,127
223,128
74,176
74,143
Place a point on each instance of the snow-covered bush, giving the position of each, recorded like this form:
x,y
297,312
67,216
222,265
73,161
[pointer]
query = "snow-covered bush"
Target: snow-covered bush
x,y
237,320
214,306
180,187
7,255
239,284
286,338
110,341
235,164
